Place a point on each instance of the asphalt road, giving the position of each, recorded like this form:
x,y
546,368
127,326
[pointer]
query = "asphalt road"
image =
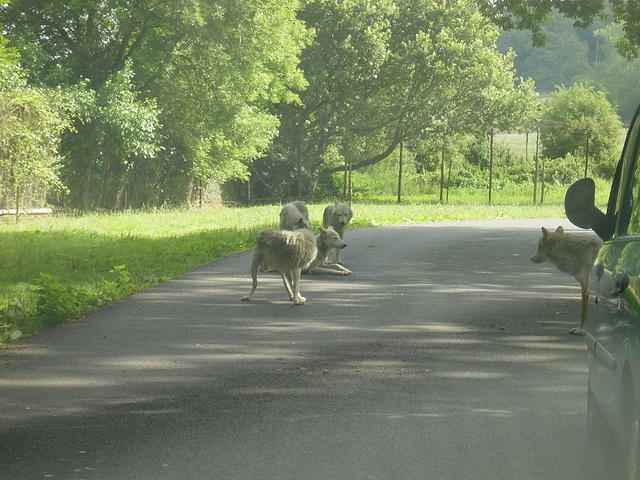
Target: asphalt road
x,y
444,357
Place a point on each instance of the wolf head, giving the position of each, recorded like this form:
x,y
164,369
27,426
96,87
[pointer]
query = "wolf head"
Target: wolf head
x,y
330,238
544,244
342,214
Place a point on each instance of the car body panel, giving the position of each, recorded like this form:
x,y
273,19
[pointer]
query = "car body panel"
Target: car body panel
x,y
613,327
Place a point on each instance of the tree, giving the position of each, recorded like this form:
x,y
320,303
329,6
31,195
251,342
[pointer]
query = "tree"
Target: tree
x,y
381,73
580,120
30,130
563,58
199,76
615,74
532,14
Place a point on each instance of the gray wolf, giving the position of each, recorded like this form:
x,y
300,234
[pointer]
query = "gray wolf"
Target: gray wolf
x,y
327,240
287,252
294,215
571,255
337,216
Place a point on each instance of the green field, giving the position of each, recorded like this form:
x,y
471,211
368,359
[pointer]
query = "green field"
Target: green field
x,y
516,142
58,268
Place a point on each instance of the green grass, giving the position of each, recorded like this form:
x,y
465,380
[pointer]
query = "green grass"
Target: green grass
x,y
513,196
516,142
57,268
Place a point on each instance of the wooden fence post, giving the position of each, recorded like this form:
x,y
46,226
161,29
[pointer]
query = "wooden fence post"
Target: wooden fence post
x,y
535,172
400,173
586,156
490,166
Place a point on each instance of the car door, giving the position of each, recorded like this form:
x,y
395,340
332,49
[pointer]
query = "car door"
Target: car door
x,y
613,330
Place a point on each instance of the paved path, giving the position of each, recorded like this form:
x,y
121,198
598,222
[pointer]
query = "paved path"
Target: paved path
x,y
445,357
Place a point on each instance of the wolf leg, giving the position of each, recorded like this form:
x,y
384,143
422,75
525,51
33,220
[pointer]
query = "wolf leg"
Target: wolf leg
x,y
331,268
297,298
583,313
287,284
339,250
340,268
255,265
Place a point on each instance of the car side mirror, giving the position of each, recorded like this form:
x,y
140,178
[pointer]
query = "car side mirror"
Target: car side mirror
x,y
580,208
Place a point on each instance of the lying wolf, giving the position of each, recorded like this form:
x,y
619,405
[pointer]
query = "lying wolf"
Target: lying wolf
x,y
327,240
571,255
337,216
294,215
287,252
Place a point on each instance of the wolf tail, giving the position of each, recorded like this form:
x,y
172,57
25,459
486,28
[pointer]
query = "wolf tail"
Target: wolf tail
x,y
255,266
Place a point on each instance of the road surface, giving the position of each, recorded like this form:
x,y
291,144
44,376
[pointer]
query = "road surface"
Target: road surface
x,y
444,357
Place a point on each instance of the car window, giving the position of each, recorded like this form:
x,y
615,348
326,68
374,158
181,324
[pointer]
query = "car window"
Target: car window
x,y
628,204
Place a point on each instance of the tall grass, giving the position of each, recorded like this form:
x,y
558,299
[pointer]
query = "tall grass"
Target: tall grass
x,y
57,268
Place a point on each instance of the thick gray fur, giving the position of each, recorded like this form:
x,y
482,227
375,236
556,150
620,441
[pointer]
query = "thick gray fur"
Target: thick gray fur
x,y
571,255
337,216
287,252
294,215
327,240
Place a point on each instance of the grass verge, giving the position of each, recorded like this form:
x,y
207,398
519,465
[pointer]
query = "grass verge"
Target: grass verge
x,y
58,268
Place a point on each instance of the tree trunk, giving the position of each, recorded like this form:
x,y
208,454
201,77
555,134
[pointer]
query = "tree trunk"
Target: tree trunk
x,y
490,166
442,169
535,172
350,185
586,157
542,185
18,199
345,180
400,174
449,178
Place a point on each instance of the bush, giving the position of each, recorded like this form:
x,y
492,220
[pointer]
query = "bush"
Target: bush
x,y
570,116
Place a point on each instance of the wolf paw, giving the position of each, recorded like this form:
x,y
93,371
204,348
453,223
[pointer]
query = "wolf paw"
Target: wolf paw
x,y
300,301
577,331
346,272
245,299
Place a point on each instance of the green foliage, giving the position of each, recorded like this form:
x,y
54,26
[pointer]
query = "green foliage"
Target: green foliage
x,y
573,113
533,14
56,300
181,90
382,72
12,77
617,76
572,54
113,128
564,58
30,130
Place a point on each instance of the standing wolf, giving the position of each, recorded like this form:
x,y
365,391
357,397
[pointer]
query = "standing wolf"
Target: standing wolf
x,y
571,255
294,215
337,216
327,240
288,253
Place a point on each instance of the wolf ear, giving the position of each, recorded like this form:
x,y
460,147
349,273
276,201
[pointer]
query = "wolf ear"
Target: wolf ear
x,y
559,229
323,230
545,233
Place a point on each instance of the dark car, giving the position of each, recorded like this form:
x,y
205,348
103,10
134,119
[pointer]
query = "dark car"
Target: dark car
x,y
613,328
